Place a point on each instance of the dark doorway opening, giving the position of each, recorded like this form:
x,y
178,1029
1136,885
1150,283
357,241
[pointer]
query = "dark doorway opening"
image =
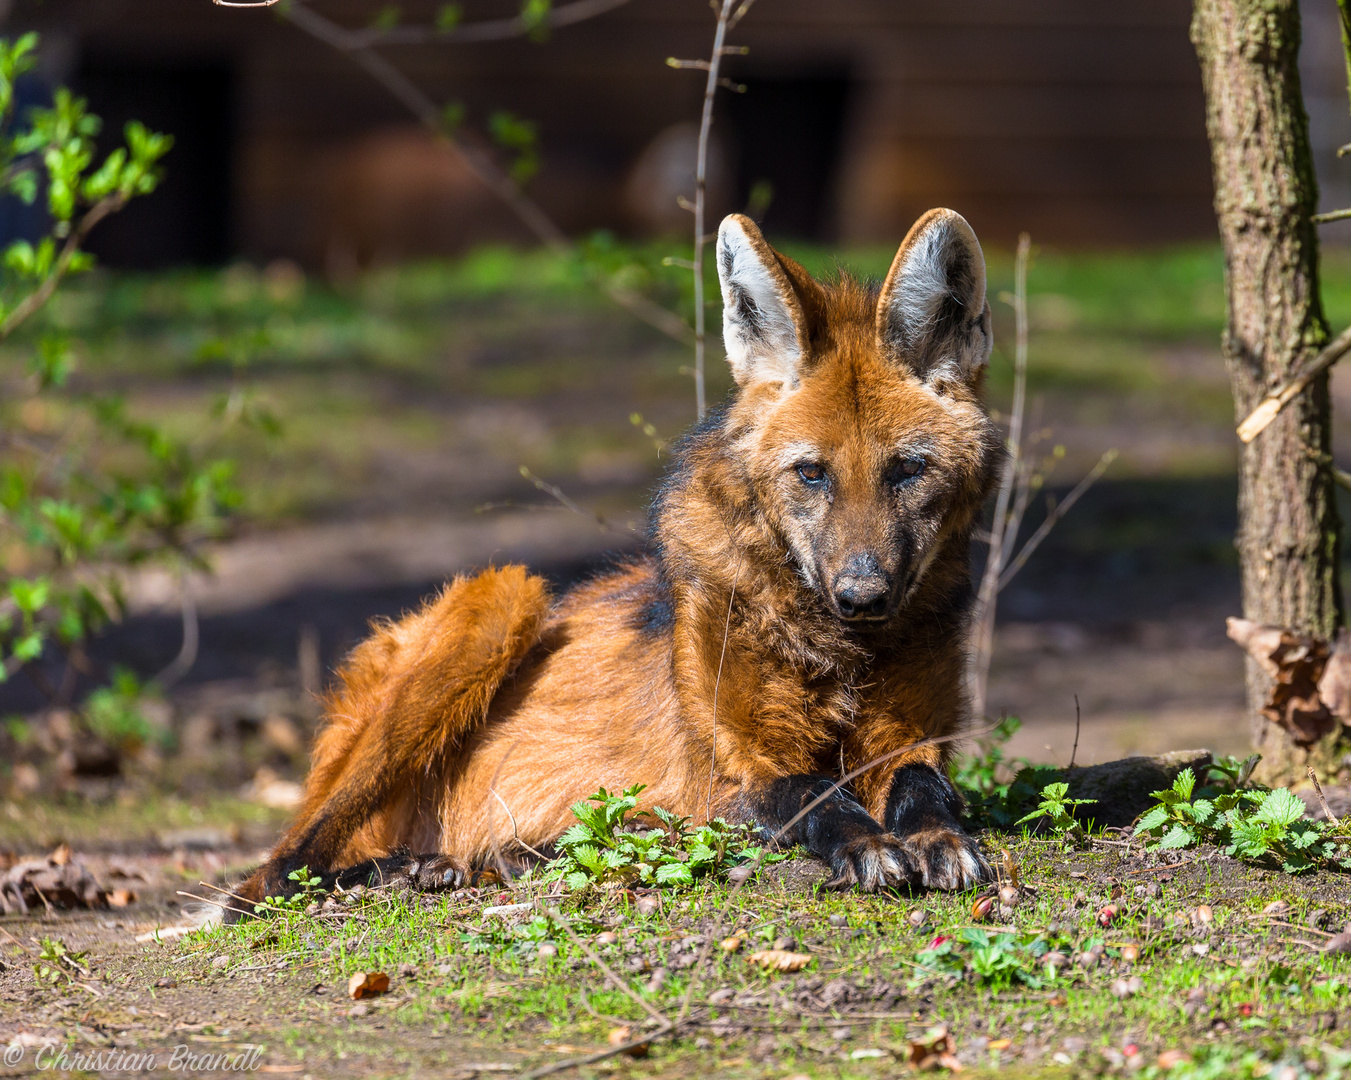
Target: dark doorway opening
x,y
187,220
788,132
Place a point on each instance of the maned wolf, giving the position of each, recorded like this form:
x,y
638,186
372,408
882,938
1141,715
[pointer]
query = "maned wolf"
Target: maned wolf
x,y
800,612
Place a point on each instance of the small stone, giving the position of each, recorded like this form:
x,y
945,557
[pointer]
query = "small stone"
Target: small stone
x,y
408,971
1204,914
1055,959
360,1009
1276,909
221,962
547,950
786,944
1008,895
841,1034
839,920
1124,988
166,984
607,937
721,995
702,1043
647,905
917,918
739,874
1201,948
657,981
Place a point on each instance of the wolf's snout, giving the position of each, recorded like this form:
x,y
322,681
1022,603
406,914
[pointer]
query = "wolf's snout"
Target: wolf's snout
x,y
862,589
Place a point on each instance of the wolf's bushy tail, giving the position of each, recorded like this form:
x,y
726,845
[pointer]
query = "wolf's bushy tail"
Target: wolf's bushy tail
x,y
409,695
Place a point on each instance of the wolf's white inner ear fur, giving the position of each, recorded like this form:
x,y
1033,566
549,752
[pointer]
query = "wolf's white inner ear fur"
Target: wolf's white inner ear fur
x,y
932,314
762,318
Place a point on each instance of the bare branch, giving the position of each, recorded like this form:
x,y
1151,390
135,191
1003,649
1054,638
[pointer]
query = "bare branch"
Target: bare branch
x,y
1331,215
477,161
1271,405
701,192
983,646
488,30
1061,509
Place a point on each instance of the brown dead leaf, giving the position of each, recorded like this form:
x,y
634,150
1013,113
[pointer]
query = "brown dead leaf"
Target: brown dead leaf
x,y
935,1049
1335,685
367,984
120,898
621,1035
60,855
1296,663
780,960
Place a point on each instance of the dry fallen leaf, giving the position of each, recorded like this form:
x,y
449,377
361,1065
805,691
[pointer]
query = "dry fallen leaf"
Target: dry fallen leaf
x,y
733,943
936,1049
621,1035
367,984
1172,1058
1205,914
60,854
1299,668
999,1044
121,898
780,960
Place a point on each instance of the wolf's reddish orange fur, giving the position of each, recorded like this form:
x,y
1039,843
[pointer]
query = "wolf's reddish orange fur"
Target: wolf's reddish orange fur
x,y
801,612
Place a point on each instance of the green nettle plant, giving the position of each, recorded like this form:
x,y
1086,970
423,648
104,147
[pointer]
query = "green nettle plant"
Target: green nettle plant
x,y
86,489
1255,824
606,848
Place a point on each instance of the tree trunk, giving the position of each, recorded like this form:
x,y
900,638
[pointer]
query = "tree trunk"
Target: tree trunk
x,y
1265,194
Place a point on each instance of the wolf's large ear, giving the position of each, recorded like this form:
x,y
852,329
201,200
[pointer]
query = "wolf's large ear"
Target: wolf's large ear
x,y
764,326
932,315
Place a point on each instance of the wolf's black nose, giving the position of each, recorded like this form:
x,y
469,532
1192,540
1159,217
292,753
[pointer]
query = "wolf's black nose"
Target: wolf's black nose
x,y
862,590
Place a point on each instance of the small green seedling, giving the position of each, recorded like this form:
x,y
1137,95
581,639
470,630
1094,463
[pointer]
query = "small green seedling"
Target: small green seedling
x,y
1059,810
56,963
310,891
604,847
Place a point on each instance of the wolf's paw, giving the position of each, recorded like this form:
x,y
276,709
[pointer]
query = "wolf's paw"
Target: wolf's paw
x,y
872,862
429,873
945,859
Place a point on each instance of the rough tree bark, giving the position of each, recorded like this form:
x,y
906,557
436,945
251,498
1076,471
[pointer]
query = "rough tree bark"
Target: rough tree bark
x,y
1265,193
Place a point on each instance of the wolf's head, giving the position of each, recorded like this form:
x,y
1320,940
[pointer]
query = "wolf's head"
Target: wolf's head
x,y
858,421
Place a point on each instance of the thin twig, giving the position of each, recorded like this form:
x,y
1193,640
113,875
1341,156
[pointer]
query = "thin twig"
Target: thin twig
x,y
594,957
700,198
486,30
1331,215
599,1055
187,653
566,501
1061,509
1075,752
478,162
1258,420
217,903
994,561
1318,790
717,685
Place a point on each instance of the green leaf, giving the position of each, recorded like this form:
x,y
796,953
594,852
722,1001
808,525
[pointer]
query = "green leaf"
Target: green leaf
x,y
1281,807
1152,819
1179,836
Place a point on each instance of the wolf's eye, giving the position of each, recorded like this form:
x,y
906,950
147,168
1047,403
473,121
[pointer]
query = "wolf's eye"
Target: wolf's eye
x,y
812,473
906,469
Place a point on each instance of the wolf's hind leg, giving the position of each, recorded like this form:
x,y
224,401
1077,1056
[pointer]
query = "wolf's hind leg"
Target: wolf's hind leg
x,y
412,692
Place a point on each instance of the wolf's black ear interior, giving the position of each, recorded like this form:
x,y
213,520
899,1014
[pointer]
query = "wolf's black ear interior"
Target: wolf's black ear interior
x,y
932,315
764,326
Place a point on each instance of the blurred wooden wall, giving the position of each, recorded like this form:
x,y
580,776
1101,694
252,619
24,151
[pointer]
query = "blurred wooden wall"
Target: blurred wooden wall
x,y
1079,121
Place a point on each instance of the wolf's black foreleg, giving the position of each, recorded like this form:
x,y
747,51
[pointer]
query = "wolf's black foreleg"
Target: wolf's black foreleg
x,y
836,830
924,811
